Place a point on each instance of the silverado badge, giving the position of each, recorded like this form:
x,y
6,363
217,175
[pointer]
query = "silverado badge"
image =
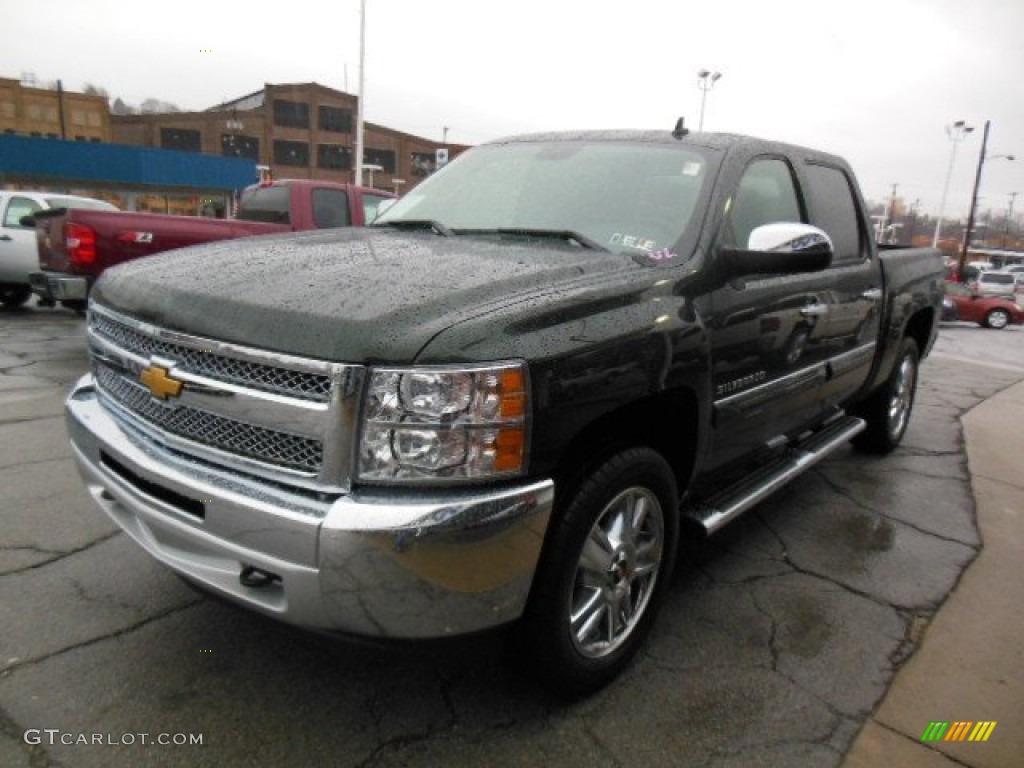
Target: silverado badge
x,y
160,383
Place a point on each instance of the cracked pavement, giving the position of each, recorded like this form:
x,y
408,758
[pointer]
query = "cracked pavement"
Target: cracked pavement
x,y
777,643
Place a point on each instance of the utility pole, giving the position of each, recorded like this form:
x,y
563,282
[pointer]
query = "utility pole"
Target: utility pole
x,y
974,200
60,109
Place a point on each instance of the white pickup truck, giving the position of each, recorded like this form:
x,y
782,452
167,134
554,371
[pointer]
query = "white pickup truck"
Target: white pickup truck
x,y
19,253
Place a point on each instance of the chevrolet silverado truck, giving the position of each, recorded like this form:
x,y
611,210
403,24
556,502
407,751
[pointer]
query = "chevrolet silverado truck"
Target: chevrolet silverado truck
x,y
75,246
506,401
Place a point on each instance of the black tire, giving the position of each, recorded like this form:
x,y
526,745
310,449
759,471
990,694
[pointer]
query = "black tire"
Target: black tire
x,y
613,578
997,319
12,296
887,411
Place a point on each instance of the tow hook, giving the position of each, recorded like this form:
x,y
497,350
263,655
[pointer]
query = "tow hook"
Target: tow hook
x,y
256,578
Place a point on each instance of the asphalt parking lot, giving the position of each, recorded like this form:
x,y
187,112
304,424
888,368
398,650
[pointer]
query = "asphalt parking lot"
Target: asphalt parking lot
x,y
775,646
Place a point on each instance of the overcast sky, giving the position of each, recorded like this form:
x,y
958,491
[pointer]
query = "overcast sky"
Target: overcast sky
x,y
873,80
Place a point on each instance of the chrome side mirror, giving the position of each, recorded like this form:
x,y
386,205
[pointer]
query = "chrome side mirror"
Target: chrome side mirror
x,y
780,248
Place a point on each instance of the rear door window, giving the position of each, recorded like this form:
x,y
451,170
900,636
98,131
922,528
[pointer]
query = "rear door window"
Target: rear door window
x,y
267,204
834,209
330,208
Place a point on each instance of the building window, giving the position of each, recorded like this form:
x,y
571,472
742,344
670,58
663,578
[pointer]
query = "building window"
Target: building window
x,y
51,114
295,153
233,145
291,114
335,119
333,156
385,158
7,109
423,163
77,117
184,139
34,112
94,119
51,135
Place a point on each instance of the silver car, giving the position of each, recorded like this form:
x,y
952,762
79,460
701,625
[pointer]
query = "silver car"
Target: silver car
x,y
991,283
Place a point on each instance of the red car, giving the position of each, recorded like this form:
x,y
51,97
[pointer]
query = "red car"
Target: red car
x,y
989,311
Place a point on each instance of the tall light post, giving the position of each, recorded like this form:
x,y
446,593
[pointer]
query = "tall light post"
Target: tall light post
x,y
362,93
1009,218
956,132
974,196
705,81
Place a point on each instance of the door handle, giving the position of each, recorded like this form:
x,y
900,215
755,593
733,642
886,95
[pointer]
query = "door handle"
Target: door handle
x,y
872,294
814,310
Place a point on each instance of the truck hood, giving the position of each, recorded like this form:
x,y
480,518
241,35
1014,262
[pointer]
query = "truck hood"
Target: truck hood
x,y
345,295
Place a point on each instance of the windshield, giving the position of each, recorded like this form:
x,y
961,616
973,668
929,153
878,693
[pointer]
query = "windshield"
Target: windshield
x,y
628,198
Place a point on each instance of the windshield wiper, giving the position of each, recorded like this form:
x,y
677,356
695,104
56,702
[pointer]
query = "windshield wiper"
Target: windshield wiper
x,y
557,234
436,226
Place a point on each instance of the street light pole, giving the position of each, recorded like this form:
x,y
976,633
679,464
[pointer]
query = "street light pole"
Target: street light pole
x,y
705,81
1009,218
956,132
362,84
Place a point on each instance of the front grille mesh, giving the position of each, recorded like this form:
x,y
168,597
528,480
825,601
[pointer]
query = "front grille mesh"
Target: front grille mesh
x,y
274,447
266,378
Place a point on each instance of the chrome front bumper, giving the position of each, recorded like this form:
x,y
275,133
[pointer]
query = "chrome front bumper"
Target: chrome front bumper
x,y
385,564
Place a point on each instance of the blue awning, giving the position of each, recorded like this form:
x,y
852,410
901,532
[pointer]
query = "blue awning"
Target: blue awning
x,y
120,164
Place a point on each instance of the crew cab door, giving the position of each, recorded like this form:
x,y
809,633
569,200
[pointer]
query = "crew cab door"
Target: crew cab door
x,y
17,242
777,341
852,325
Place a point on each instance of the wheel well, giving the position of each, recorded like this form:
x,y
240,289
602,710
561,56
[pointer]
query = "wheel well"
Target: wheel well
x,y
919,328
667,422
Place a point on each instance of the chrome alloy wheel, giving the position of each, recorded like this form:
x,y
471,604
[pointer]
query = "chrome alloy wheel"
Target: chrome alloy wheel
x,y
616,573
902,396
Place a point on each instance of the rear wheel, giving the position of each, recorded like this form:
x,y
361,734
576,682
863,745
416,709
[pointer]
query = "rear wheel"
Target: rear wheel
x,y
997,318
605,568
14,295
887,411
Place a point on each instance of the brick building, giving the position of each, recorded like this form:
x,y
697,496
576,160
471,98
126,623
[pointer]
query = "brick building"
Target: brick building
x,y
301,130
52,113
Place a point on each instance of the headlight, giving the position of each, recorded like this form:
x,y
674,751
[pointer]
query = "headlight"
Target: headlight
x,y
428,423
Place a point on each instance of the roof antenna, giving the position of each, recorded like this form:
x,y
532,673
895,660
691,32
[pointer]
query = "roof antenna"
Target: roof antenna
x,y
680,130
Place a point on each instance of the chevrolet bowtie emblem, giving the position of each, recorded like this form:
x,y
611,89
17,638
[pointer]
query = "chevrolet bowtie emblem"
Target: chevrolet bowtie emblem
x,y
159,382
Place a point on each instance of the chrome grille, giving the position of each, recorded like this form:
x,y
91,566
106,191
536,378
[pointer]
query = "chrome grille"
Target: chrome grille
x,y
274,447
266,378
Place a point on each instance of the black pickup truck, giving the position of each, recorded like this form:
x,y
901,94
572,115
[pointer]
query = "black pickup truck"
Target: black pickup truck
x,y
506,401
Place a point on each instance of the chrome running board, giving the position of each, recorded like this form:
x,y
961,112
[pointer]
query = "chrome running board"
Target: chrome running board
x,y
725,505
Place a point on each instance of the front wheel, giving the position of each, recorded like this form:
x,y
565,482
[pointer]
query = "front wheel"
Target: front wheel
x,y
887,411
606,565
997,318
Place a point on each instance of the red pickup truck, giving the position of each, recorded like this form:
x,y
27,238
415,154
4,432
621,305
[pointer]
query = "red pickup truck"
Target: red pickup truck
x,y
76,245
